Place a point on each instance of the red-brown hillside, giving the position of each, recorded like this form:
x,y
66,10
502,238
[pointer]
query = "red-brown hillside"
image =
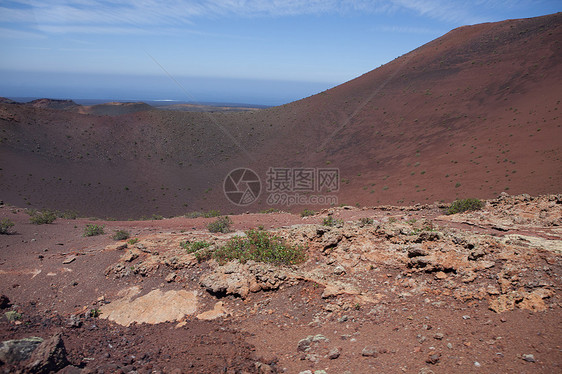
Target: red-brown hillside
x,y
472,113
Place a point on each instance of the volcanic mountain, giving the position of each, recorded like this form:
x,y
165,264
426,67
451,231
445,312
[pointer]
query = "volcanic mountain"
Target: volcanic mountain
x,y
470,114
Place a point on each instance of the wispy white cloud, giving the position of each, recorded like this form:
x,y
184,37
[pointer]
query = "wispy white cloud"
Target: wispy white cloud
x,y
149,12
453,11
8,33
132,30
410,30
151,16
143,16
463,11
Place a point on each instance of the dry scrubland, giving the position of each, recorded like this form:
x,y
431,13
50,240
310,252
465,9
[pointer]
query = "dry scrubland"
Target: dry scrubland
x,y
378,289
471,114
396,279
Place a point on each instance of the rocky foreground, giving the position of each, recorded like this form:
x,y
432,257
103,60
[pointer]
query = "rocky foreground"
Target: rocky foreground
x,y
384,289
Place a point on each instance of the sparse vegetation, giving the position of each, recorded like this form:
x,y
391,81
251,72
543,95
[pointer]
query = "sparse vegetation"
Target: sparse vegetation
x,y
365,221
222,224
211,213
94,313
12,315
195,246
427,226
133,241
260,246
331,221
203,254
42,217
121,235
270,210
67,214
5,226
465,205
93,230
307,213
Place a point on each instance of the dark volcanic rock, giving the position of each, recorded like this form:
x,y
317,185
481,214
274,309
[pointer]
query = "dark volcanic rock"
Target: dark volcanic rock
x,y
4,302
16,351
50,356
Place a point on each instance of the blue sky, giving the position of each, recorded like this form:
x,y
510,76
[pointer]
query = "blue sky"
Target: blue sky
x,y
242,51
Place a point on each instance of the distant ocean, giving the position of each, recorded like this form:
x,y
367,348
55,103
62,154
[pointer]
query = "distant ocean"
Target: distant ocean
x,y
154,103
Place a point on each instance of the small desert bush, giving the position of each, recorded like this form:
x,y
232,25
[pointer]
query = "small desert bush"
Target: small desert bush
x,y
193,215
260,246
5,226
93,230
366,221
94,313
154,217
42,217
465,205
331,221
203,254
121,235
195,246
222,224
133,241
307,212
210,214
270,210
68,214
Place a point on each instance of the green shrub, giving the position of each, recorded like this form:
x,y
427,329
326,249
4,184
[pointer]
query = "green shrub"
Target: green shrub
x,y
331,221
133,241
94,313
270,210
121,235
366,221
12,315
42,217
465,205
210,214
203,254
68,214
222,224
307,212
93,230
260,246
5,226
195,246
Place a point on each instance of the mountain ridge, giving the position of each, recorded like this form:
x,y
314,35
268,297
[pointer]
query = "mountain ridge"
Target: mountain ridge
x,y
470,114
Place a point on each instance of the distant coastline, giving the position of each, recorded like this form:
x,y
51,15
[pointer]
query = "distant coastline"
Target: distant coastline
x,y
159,103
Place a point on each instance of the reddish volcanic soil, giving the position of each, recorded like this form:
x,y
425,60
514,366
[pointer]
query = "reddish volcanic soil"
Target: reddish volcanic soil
x,y
410,290
472,113
395,286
